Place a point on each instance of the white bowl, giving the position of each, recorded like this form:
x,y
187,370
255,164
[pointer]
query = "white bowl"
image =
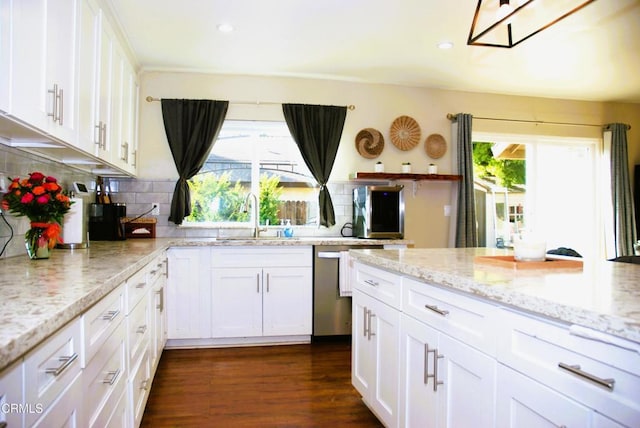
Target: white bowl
x,y
529,251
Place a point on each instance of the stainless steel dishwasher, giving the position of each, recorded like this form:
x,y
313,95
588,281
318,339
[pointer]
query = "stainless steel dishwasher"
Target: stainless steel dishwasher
x,y
331,312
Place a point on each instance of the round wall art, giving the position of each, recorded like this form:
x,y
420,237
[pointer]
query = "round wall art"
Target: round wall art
x,y
369,143
405,133
435,146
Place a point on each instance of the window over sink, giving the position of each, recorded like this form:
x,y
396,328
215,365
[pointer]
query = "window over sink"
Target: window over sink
x,y
258,157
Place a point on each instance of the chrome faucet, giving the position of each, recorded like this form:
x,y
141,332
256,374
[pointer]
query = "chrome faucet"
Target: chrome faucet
x,y
256,215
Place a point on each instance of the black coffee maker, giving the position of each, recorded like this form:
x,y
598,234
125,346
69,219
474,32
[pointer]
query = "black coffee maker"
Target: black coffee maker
x,y
105,222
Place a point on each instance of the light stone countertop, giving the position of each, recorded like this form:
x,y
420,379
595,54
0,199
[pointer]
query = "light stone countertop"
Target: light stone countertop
x,y
604,296
39,297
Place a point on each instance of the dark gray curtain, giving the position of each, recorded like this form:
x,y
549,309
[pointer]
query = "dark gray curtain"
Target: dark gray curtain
x,y
317,131
191,127
466,227
622,198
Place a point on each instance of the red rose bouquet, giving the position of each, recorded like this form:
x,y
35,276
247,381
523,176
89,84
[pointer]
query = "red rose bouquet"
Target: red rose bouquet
x,y
42,200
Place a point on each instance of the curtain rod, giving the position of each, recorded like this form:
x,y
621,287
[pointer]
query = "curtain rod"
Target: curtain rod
x,y
452,117
257,103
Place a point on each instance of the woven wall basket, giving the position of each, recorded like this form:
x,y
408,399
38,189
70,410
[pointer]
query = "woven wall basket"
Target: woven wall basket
x,y
369,143
405,133
435,146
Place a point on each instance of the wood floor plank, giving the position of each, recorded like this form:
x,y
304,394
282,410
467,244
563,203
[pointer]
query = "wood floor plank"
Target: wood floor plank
x,y
269,386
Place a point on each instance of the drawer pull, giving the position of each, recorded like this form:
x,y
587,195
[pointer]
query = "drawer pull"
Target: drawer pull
x,y
437,310
153,272
575,369
371,282
142,329
113,375
111,315
66,362
141,284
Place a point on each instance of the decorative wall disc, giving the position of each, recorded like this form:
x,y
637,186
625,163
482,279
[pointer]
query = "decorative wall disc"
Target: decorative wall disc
x,y
405,133
369,143
435,146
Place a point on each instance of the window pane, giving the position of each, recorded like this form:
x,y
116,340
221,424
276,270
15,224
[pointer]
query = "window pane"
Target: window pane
x,y
259,157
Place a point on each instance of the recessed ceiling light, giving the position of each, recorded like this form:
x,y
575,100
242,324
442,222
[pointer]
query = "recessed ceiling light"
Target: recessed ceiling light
x,y
445,45
225,28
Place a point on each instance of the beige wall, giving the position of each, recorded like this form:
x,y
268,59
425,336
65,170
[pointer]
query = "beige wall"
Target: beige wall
x,y
376,107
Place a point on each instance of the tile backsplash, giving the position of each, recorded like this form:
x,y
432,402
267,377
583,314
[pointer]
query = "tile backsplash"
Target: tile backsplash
x,y
138,195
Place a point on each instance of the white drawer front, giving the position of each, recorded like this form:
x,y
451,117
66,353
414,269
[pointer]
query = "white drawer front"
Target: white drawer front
x,y
468,320
138,331
66,410
596,374
260,256
105,376
137,287
11,393
51,367
114,413
99,322
384,286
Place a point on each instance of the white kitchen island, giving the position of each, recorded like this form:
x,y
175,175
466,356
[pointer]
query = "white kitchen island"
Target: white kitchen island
x,y
442,340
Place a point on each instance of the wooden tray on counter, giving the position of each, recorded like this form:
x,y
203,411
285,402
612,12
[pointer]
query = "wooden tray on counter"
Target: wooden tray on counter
x,y
512,263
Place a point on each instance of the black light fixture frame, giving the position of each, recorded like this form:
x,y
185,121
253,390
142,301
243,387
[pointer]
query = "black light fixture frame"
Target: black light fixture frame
x,y
474,40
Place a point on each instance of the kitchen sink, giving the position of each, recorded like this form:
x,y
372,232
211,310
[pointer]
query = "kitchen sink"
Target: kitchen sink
x,y
259,238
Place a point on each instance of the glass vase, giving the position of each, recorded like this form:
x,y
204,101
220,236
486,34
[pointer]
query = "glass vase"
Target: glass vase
x,y
37,244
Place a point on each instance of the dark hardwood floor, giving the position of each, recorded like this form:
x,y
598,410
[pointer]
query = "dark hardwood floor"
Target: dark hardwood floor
x,y
270,386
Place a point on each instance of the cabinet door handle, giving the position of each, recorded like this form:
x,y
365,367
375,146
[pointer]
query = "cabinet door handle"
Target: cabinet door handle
x,y
371,282
436,357
267,282
104,136
160,304
144,384
54,102
371,333
111,315
142,329
575,369
365,312
66,362
99,139
141,284
437,310
257,283
426,364
61,107
113,375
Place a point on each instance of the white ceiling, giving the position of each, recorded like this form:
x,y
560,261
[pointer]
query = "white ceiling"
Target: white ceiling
x,y
591,55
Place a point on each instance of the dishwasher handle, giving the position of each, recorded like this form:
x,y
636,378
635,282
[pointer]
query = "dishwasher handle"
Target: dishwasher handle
x,y
328,254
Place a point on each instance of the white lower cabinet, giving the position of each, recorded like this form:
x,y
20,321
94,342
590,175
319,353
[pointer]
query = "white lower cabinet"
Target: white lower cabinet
x,y
12,395
442,358
188,293
104,379
250,302
97,370
524,402
239,295
443,382
374,366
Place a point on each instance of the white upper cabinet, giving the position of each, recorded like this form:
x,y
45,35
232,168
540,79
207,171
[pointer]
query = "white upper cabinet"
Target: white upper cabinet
x,y
44,69
88,74
5,70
